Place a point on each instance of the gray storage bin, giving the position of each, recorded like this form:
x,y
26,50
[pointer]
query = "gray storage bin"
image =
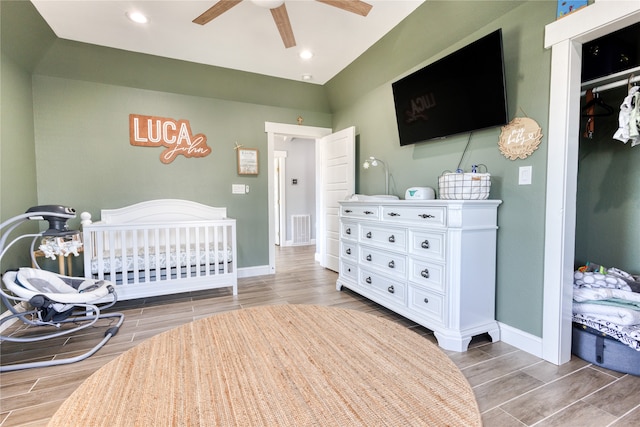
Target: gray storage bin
x,y
602,350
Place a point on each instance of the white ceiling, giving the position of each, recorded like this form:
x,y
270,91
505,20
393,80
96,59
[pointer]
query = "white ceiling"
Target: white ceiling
x,y
243,38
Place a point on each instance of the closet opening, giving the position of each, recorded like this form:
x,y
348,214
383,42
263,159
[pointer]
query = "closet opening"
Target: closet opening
x,y
607,229
608,192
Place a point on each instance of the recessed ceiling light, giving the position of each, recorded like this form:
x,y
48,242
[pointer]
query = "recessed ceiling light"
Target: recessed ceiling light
x,y
307,77
137,17
306,54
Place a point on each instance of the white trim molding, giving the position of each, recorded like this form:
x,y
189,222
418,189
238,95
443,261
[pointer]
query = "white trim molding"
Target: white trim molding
x,y
565,38
521,340
297,131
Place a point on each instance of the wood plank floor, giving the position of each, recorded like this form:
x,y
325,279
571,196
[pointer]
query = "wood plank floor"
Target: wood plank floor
x,y
512,387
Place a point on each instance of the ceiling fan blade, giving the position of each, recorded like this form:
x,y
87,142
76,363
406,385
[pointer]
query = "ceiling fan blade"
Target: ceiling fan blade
x,y
281,18
216,10
354,6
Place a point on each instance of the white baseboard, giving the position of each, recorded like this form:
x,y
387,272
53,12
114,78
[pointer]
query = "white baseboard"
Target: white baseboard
x,y
259,270
290,243
521,340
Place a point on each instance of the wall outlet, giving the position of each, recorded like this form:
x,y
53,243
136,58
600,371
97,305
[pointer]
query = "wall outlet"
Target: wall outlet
x,y
524,175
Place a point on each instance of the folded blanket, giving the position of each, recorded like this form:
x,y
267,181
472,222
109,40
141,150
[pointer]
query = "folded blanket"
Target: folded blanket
x,y
615,314
599,294
595,276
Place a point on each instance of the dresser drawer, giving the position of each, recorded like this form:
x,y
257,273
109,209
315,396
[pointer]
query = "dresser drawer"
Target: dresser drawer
x,y
427,274
387,288
349,251
434,216
427,244
391,263
393,239
427,304
348,230
349,271
360,211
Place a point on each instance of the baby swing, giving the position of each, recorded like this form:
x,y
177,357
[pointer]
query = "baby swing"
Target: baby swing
x,y
39,298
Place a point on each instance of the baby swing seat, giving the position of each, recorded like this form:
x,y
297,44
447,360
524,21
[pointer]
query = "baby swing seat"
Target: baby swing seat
x,y
54,300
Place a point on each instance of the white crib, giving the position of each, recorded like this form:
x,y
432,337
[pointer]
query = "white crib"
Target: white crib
x,y
161,247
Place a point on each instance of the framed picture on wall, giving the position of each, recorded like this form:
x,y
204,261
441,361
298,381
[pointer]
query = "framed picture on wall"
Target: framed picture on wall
x,y
247,161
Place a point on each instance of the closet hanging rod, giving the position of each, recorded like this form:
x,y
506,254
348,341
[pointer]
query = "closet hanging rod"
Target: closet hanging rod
x,y
623,80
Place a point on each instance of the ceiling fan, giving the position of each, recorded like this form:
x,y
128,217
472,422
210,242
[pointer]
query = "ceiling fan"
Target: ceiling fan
x,y
280,15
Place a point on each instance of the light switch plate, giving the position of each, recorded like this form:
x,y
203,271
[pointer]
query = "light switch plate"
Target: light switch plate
x,y
524,175
237,188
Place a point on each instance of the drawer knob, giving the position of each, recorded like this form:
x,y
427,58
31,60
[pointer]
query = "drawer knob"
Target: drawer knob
x,y
392,264
426,300
369,235
369,257
368,280
425,273
368,212
425,244
348,231
348,211
425,216
393,214
392,239
391,289
348,251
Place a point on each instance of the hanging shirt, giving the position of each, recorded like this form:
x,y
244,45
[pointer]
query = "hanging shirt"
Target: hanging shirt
x,y
629,119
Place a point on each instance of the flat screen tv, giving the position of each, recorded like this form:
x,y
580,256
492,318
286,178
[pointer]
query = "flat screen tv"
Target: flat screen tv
x,y
462,92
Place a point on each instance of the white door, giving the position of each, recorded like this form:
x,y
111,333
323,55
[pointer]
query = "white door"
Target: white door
x,y
336,154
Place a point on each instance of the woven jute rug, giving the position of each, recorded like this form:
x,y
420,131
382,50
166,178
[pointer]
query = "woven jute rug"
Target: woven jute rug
x,y
285,365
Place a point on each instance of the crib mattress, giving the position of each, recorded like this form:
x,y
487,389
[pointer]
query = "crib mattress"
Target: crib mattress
x,y
176,259
602,350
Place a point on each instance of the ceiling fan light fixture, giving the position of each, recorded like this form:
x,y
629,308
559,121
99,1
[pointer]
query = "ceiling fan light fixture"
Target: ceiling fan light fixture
x,y
268,4
137,17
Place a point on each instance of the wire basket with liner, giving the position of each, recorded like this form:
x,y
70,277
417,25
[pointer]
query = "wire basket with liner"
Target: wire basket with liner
x,y
461,185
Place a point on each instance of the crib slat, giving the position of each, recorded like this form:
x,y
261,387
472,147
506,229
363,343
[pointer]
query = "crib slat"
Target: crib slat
x,y
169,235
225,245
157,268
198,251
207,250
100,255
178,257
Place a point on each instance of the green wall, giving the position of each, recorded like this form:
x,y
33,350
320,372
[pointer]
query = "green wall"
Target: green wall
x,y
17,158
85,159
434,30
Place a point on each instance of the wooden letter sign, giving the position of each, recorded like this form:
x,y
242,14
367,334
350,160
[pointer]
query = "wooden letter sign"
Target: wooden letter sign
x,y
175,135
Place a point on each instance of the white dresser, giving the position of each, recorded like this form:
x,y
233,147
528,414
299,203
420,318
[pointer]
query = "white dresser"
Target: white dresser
x,y
432,261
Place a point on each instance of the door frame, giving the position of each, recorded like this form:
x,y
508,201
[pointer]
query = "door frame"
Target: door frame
x,y
565,37
295,131
279,206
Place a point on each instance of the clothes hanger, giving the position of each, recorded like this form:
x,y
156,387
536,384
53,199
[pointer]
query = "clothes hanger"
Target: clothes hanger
x,y
590,107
